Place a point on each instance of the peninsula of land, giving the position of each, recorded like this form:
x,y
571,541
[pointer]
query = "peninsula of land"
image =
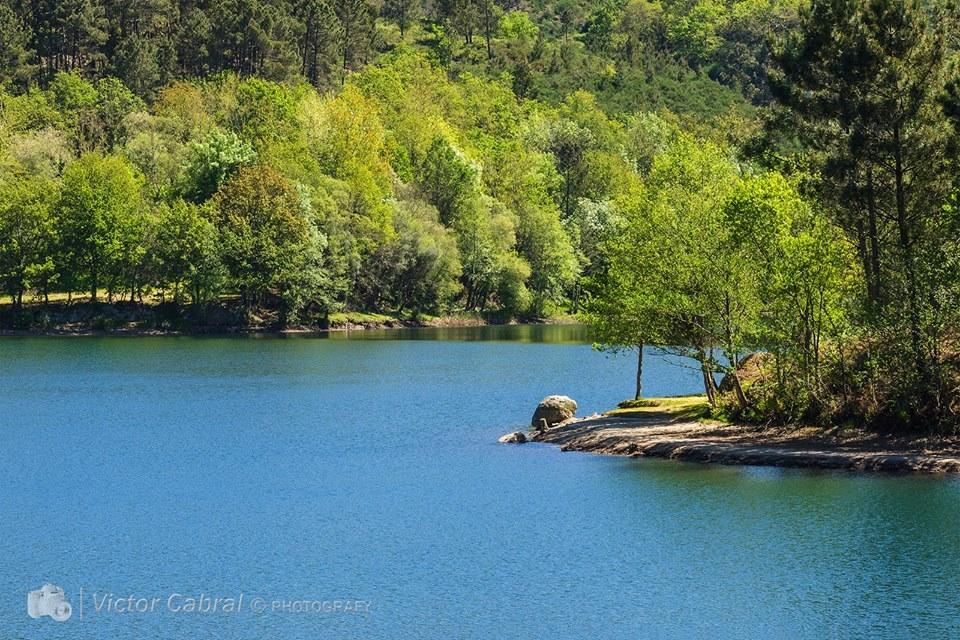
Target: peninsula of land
x,y
672,428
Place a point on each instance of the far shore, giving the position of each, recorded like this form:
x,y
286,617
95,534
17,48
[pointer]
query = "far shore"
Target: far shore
x,y
672,434
129,319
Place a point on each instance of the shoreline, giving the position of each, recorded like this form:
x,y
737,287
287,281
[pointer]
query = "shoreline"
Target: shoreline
x,y
134,329
660,434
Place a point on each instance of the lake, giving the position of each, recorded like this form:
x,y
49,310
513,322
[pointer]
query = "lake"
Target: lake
x,y
352,487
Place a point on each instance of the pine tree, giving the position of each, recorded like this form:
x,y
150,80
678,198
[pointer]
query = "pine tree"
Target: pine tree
x,y
864,80
16,57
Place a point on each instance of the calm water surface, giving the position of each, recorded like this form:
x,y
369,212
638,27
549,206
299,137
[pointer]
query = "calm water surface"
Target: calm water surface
x,y
367,469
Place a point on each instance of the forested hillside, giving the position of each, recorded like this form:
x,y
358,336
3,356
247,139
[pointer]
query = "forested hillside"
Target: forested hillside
x,y
723,175
395,157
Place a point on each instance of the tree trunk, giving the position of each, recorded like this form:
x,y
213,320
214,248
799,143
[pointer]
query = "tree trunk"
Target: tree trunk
x,y
488,31
877,284
907,249
864,254
639,393
708,385
741,397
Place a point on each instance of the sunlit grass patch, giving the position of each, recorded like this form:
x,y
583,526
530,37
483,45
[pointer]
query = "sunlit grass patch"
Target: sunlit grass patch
x,y
680,407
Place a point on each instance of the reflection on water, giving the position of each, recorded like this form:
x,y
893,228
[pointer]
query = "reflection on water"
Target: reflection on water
x,y
545,333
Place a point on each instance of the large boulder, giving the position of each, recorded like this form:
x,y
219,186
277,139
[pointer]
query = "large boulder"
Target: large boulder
x,y
554,410
517,437
751,369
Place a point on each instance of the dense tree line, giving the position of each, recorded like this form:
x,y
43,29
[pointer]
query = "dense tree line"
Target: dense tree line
x,y
402,192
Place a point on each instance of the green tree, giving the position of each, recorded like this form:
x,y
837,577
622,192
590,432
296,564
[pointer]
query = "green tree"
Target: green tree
x,y
67,35
403,12
211,161
864,82
187,252
524,181
599,32
419,269
27,235
16,67
99,222
569,144
517,25
76,100
264,113
356,32
807,274
141,48
448,178
694,29
264,233
490,14
317,38
676,266
252,37
114,103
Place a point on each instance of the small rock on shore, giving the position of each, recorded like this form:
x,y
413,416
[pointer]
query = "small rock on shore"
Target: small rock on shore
x,y
517,437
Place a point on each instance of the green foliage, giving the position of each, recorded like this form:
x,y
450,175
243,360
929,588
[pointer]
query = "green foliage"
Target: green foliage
x,y
264,113
42,153
864,85
16,67
114,103
403,12
100,223
599,31
419,269
27,235
211,161
187,252
517,26
265,234
448,178
712,259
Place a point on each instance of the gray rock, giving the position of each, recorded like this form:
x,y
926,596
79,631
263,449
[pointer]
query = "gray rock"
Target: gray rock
x,y
517,437
554,409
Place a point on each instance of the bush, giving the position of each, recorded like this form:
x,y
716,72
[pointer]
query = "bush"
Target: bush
x,y
638,404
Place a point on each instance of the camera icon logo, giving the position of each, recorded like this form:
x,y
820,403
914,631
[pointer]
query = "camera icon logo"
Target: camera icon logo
x,y
49,600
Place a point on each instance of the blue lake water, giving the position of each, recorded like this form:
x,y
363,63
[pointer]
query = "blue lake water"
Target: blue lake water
x,y
366,469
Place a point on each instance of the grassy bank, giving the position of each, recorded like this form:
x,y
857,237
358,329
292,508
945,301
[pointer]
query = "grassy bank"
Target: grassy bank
x,y
679,407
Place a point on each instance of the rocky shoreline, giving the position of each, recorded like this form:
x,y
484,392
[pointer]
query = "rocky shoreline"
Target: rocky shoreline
x,y
661,434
